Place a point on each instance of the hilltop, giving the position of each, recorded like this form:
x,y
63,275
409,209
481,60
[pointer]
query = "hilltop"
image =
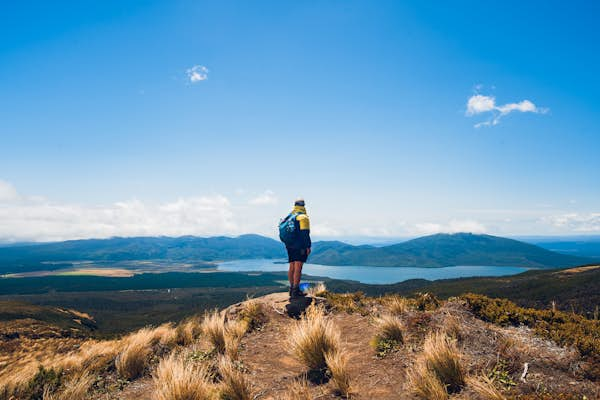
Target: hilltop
x,y
382,353
442,250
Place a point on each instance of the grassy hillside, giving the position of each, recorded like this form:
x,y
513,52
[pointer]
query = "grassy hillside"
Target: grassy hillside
x,y
18,318
443,250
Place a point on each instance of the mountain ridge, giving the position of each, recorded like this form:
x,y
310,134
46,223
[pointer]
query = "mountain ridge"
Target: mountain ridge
x,y
437,250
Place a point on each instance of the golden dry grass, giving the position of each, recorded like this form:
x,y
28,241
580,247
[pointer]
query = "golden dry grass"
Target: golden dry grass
x,y
442,357
484,387
234,331
425,384
312,337
235,385
452,327
317,290
133,359
178,379
389,327
337,363
298,390
253,314
187,331
76,388
213,327
397,305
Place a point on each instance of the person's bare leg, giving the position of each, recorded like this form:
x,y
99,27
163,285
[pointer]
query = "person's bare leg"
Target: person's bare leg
x,y
291,273
297,272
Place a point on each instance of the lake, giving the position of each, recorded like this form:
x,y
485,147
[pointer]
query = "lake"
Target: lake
x,y
376,275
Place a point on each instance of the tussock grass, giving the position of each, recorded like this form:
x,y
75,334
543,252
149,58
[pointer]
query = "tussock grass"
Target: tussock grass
x,y
93,356
178,379
484,387
389,334
443,358
337,363
213,327
298,390
397,305
452,327
235,385
133,359
312,337
76,388
253,314
188,331
390,328
425,384
317,290
234,331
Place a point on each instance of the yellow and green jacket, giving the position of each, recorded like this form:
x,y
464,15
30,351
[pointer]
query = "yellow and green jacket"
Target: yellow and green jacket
x,y
303,226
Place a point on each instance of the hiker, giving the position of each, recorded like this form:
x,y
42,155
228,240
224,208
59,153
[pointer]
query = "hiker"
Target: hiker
x,y
294,232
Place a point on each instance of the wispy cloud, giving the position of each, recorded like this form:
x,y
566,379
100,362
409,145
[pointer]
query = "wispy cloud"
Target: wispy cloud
x,y
453,226
481,104
575,222
197,73
267,198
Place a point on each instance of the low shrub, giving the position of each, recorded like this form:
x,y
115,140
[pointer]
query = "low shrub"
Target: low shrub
x,y
348,302
426,302
565,329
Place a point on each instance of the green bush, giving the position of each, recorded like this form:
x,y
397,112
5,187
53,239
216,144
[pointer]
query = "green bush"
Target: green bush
x,y
565,329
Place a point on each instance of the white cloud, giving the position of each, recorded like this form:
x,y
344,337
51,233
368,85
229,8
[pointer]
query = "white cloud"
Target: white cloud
x,y
266,199
453,226
575,222
37,219
197,73
7,192
479,104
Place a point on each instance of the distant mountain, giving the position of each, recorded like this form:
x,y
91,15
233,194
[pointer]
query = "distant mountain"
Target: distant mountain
x,y
443,250
581,248
185,248
429,251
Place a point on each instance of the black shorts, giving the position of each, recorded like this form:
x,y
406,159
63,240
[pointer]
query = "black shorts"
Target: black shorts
x,y
297,254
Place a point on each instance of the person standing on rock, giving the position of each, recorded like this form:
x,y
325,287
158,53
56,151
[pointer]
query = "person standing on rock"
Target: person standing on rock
x,y
294,232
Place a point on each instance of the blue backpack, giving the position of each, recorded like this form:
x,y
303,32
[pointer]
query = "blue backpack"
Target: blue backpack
x,y
288,231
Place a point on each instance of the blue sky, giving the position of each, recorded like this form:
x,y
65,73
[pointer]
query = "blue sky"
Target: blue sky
x,y
390,118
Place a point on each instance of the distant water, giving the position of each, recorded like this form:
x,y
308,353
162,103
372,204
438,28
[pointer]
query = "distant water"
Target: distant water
x,y
376,275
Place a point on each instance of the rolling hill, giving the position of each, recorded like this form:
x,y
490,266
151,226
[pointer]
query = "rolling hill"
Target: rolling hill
x,y
442,250
430,251
185,248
